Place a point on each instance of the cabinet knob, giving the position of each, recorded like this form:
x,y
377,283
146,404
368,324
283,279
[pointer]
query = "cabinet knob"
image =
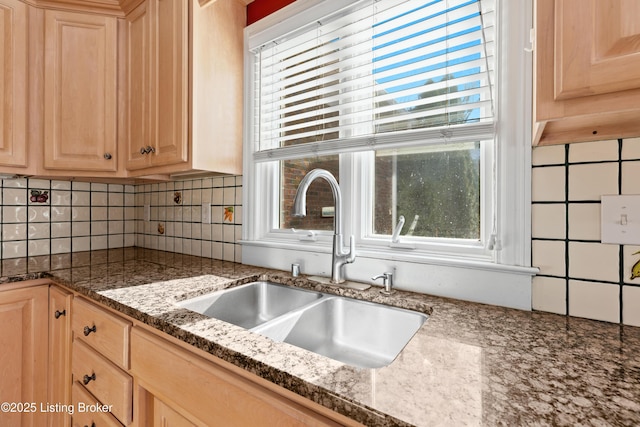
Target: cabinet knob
x,y
88,330
60,313
143,150
88,378
107,156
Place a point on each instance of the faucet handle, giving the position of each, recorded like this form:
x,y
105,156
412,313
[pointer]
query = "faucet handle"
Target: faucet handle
x,y
352,250
387,281
382,276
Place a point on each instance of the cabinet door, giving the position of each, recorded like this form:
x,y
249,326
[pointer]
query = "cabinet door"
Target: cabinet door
x,y
165,416
59,353
80,108
171,35
597,47
23,359
13,83
140,88
158,84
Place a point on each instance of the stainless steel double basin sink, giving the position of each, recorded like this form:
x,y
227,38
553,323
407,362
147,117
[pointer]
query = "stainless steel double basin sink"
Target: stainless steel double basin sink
x,y
358,333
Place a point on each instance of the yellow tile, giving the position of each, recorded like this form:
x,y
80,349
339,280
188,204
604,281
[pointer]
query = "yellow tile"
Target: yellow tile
x,y
631,258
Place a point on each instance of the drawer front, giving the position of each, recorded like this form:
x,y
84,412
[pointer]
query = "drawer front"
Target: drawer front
x,y
86,415
104,380
103,331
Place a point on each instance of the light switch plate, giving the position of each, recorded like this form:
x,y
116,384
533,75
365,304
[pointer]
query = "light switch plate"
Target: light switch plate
x,y
620,219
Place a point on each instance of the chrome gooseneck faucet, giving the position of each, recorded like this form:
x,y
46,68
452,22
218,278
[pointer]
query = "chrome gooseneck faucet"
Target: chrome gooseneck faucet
x,y
340,257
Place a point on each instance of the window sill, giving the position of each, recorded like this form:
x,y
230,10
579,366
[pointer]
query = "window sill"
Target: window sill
x,y
397,254
472,280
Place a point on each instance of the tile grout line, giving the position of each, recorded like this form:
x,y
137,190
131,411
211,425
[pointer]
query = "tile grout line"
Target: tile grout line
x,y
566,231
621,247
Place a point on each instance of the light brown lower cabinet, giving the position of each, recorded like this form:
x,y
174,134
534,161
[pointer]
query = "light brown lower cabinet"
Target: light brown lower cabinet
x,y
23,354
148,378
178,387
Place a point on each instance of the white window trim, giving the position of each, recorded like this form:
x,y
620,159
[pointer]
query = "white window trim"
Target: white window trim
x,y
501,277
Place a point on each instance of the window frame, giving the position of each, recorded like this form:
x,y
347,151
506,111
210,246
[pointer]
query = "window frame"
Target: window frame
x,y
427,246
509,171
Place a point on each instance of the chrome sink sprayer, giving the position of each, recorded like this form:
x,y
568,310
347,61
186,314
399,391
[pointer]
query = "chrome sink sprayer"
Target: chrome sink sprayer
x,y
340,257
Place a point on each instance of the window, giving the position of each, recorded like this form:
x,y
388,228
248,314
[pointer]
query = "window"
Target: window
x,y
436,190
402,101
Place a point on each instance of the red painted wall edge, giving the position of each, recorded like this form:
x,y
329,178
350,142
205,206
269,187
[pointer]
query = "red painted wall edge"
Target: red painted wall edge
x,y
258,9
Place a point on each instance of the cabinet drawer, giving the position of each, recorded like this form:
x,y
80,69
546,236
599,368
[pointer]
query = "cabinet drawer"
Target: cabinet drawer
x,y
103,331
104,380
82,416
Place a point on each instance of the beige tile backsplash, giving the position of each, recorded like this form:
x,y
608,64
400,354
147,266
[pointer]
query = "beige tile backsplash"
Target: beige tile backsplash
x,y
594,151
590,181
594,261
74,217
82,216
175,217
549,256
550,220
599,301
549,294
584,222
579,275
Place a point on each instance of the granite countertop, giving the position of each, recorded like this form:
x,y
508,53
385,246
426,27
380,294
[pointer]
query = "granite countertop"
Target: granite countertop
x,y
469,364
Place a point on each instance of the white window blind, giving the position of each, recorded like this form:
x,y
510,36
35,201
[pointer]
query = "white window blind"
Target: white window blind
x,y
377,74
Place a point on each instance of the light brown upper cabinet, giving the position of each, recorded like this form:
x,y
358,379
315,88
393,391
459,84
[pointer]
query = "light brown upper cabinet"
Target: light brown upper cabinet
x,y
13,85
184,82
80,92
158,85
587,83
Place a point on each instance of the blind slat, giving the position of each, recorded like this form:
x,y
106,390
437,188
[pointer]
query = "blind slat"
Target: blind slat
x,y
328,107
377,67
